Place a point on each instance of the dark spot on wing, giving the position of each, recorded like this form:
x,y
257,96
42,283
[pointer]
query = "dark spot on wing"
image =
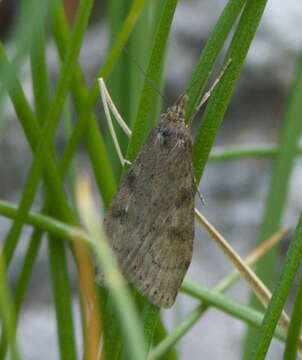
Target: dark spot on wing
x,y
130,179
119,213
178,233
184,197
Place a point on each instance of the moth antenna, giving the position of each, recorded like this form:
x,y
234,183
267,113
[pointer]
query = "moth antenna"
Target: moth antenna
x,y
207,94
151,82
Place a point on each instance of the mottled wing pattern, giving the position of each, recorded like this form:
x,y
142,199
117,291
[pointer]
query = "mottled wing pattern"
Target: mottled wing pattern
x,y
150,223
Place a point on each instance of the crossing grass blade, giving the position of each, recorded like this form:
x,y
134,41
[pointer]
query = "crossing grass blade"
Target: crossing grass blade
x,y
278,189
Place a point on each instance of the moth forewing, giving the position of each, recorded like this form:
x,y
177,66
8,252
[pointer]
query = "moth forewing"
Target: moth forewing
x,y
150,222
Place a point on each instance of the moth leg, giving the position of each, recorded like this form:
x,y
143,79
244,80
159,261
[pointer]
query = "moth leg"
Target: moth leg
x,y
108,104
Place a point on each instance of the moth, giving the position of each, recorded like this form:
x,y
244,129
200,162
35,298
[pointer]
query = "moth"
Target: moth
x,y
150,223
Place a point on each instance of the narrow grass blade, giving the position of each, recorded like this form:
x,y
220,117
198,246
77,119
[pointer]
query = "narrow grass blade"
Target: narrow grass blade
x,y
292,340
166,344
247,151
24,36
214,299
119,79
222,286
113,336
32,132
39,74
43,222
23,280
91,318
130,324
35,173
66,336
292,261
7,313
278,189
159,335
62,299
210,54
92,136
139,46
227,305
150,317
153,73
87,100
220,98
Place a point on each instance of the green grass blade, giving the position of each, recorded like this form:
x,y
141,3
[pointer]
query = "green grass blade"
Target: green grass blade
x,y
73,168
165,345
113,335
18,222
25,33
292,261
139,46
7,313
210,53
159,335
278,190
118,82
62,299
39,74
292,340
23,280
26,270
227,305
140,125
51,122
93,138
122,37
22,107
125,308
237,152
66,337
220,98
94,141
150,317
40,221
210,298
32,132
24,36
196,314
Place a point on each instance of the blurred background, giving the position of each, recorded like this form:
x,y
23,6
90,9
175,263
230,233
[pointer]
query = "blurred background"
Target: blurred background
x,y
234,191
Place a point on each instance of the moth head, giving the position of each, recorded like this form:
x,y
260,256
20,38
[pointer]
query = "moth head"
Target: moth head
x,y
177,111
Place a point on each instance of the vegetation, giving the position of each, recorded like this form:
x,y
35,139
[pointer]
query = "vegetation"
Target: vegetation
x,y
132,327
